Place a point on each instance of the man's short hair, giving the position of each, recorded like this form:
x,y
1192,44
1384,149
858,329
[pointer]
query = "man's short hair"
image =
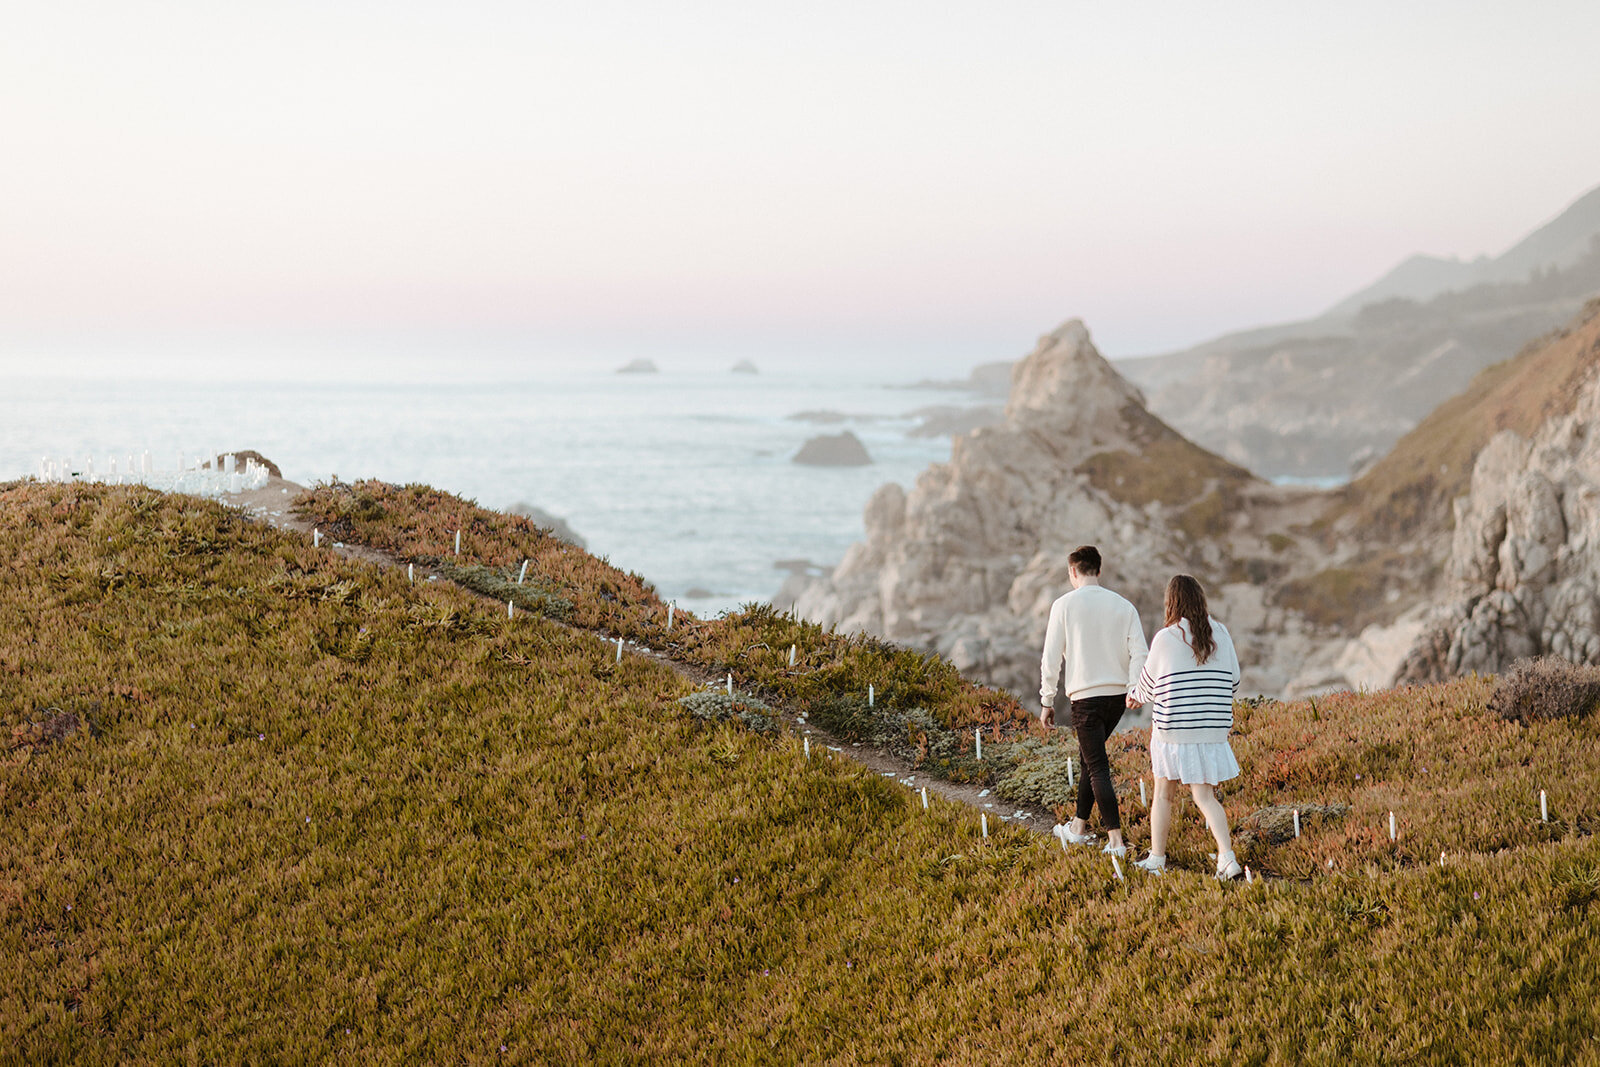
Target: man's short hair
x,y
1085,559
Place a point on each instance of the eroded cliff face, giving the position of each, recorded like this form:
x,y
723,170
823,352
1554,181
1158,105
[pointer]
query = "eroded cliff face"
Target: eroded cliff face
x,y
968,562
1524,567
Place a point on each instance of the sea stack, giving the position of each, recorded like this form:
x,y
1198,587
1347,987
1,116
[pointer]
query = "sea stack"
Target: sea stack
x,y
639,366
744,366
833,450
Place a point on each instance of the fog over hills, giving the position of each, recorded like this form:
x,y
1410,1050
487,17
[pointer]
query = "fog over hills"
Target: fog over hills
x,y
1562,242
1324,397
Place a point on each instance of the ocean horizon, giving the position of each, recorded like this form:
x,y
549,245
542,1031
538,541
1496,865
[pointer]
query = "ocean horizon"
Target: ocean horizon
x,y
684,478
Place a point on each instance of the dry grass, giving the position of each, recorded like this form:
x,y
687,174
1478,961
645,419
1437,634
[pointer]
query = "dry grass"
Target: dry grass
x,y
1201,487
332,816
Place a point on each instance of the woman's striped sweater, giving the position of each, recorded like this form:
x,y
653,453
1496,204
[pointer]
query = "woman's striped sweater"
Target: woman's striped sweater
x,y
1193,701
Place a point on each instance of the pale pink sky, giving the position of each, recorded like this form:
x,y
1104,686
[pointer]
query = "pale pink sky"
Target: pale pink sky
x,y
830,170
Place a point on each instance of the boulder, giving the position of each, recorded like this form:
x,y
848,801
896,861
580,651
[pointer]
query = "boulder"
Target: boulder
x,y
834,450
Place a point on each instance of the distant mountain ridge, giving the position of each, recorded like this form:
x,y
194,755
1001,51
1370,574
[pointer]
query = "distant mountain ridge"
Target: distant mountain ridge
x,y
1556,245
1324,397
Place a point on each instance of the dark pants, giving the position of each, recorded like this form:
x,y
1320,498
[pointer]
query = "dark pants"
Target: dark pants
x,y
1093,720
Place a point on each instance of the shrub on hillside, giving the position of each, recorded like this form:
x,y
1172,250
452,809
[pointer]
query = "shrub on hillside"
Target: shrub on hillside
x,y
1035,772
713,705
1546,688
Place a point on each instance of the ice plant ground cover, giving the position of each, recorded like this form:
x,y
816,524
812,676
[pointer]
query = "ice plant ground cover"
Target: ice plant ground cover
x,y
316,812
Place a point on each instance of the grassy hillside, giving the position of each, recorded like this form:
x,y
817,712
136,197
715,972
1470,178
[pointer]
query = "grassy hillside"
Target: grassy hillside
x,y
324,814
1412,487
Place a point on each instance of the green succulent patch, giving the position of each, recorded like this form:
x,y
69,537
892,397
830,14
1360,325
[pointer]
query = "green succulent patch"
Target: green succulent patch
x,y
262,804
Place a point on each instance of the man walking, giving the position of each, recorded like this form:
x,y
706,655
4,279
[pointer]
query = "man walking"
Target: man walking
x,y
1097,637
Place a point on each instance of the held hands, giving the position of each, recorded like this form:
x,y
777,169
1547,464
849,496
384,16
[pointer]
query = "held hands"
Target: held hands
x,y
1133,703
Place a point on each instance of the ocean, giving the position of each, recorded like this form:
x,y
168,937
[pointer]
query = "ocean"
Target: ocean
x,y
685,477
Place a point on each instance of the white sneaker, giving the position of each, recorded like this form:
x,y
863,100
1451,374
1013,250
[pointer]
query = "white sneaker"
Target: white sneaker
x,y
1063,830
1115,850
1229,869
1152,864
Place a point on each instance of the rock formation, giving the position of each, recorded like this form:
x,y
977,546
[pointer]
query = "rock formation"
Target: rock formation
x,y
745,366
834,450
968,562
1524,569
639,366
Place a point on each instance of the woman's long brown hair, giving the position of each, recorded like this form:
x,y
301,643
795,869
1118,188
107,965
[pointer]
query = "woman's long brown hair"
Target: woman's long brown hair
x,y
1186,600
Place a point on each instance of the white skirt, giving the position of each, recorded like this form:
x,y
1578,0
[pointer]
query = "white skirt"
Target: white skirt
x,y
1194,764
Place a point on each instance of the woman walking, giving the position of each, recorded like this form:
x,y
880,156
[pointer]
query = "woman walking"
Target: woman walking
x,y
1191,676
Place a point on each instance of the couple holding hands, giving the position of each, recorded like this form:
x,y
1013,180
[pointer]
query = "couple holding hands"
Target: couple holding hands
x,y
1189,673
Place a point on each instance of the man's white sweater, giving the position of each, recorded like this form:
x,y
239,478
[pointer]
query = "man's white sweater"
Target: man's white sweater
x,y
1098,635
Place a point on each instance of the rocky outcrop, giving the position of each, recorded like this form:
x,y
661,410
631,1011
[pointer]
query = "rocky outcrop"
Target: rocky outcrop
x,y
834,450
1524,568
968,562
557,526
639,366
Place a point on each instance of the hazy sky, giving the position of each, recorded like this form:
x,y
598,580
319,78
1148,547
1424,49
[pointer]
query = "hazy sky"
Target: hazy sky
x,y
956,176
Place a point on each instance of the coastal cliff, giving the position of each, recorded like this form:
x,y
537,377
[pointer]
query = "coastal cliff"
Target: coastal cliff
x,y
1523,572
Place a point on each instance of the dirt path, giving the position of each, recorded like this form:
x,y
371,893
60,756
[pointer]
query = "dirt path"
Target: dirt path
x,y
271,504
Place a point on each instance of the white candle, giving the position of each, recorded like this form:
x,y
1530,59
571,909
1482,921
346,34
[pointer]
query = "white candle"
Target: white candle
x,y
869,696
508,609
1142,800
1248,877
924,798
671,610
1117,867
619,650
522,573
977,737
458,542
791,655
316,537
1069,772
1297,822
730,684
1441,859
1544,809
983,817
1392,835
808,748
411,573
